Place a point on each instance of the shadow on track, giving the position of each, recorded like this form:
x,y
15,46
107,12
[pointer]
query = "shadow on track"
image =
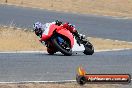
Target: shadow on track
x,y
60,54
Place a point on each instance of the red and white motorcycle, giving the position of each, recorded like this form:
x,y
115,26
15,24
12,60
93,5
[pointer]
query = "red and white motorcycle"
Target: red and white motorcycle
x,y
60,39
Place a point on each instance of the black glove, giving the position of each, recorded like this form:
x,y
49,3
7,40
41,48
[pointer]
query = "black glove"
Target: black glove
x,y
71,25
57,22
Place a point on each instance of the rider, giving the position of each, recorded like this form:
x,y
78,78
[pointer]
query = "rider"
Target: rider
x,y
39,29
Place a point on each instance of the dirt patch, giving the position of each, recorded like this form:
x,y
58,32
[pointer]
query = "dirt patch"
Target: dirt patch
x,y
102,7
12,39
63,85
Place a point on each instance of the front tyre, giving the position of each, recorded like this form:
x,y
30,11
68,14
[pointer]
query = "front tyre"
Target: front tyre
x,y
89,49
63,47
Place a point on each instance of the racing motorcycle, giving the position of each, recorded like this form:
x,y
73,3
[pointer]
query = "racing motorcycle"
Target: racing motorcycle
x,y
62,40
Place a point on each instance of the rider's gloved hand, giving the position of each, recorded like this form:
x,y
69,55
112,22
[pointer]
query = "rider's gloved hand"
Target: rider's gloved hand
x,y
71,25
57,22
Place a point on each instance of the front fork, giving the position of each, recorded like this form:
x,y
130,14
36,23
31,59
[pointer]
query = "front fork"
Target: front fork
x,y
80,41
84,41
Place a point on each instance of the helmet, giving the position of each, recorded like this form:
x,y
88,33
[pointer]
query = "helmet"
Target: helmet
x,y
37,27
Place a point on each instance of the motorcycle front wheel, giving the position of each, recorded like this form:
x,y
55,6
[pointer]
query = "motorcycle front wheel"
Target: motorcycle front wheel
x,y
89,49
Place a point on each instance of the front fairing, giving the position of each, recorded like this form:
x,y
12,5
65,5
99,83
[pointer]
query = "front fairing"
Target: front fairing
x,y
67,34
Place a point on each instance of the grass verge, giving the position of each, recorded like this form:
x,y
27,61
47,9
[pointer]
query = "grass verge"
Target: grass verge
x,y
13,39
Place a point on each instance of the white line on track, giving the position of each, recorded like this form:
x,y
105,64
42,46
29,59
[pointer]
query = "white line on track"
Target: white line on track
x,y
23,52
106,50
23,82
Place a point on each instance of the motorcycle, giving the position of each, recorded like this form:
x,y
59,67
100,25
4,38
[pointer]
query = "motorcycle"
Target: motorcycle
x,y
62,40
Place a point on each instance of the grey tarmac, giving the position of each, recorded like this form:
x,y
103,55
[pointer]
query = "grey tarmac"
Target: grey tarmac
x,y
18,67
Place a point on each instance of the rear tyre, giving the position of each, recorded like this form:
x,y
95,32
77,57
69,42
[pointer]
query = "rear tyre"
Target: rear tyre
x,y
62,48
50,51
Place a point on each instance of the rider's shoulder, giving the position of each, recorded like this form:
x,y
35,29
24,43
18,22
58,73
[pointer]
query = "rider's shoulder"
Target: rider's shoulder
x,y
50,22
53,22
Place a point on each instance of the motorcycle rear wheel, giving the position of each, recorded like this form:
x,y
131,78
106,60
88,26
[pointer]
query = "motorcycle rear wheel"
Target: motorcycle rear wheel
x,y
50,51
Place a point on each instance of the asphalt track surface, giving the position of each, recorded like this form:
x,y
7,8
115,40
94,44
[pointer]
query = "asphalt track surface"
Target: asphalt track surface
x,y
44,67
16,67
